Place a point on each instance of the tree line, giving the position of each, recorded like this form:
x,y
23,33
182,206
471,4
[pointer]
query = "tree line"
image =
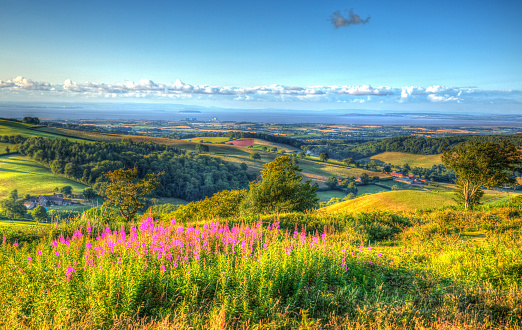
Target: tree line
x,y
340,149
187,175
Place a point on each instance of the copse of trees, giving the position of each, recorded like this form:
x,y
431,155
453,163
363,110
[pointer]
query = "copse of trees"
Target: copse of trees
x,y
280,190
31,120
187,175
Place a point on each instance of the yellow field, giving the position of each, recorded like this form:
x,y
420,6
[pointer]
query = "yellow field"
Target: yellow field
x,y
401,158
405,200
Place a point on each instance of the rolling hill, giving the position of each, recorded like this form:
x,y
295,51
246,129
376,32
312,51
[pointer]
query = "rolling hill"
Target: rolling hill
x,y
405,200
401,158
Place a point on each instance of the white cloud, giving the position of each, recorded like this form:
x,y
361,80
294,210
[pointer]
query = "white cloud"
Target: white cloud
x,y
146,88
22,83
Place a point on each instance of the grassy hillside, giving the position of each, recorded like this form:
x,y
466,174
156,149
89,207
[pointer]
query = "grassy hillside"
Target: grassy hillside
x,y
29,177
14,128
401,158
405,200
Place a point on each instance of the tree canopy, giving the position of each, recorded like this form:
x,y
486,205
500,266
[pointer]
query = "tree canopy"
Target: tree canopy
x,y
481,164
13,206
126,192
279,190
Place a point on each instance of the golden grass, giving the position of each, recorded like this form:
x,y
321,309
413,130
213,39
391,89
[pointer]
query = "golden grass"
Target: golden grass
x,y
396,201
401,158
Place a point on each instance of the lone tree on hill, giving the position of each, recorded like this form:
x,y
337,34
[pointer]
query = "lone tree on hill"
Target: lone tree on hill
x,y
481,164
255,155
324,156
126,192
280,190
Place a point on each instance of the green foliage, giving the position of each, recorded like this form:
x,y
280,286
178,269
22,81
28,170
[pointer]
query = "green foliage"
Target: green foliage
x,y
223,204
349,196
255,155
88,193
188,175
331,182
202,148
66,190
40,213
13,206
31,120
333,201
481,163
126,192
348,161
324,156
280,190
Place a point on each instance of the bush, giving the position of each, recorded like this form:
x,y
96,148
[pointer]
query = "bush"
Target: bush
x,y
222,204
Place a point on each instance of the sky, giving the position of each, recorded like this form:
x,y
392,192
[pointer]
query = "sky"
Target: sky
x,y
398,55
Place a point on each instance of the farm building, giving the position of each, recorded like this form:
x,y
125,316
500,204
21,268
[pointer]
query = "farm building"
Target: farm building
x,y
46,200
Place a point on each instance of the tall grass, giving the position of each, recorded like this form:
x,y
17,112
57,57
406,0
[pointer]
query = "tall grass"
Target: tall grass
x,y
447,269
248,272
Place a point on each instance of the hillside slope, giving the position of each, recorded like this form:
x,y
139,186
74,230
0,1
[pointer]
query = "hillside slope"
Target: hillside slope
x,y
404,200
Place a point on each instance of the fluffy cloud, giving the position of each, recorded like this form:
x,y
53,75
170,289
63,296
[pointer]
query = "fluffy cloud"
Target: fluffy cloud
x,y
146,88
22,83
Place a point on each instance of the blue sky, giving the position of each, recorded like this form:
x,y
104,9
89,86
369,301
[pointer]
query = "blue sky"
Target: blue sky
x,y
259,54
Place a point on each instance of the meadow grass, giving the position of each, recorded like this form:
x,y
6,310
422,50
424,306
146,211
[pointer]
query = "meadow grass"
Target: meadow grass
x,y
3,146
401,158
404,200
426,270
14,128
29,177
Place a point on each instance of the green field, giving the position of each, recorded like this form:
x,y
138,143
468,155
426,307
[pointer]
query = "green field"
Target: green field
x,y
14,128
29,177
406,200
401,158
208,139
325,196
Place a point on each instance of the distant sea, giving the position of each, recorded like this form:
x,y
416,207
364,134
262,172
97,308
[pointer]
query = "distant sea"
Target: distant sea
x,y
136,111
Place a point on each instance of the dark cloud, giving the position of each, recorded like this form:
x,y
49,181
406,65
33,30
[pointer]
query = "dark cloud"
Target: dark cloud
x,y
338,20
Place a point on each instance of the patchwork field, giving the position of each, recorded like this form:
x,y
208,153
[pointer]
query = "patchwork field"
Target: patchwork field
x,y
401,158
29,177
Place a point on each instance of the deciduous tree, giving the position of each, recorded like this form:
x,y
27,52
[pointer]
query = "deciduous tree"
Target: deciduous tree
x,y
40,213
13,206
279,190
324,156
481,164
126,192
